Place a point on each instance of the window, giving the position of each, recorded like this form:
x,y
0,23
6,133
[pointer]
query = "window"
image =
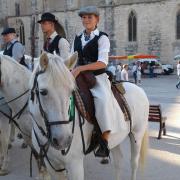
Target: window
x,y
21,34
132,27
178,25
17,9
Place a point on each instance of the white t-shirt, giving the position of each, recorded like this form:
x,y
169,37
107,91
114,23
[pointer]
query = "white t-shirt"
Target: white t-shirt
x,y
178,69
124,75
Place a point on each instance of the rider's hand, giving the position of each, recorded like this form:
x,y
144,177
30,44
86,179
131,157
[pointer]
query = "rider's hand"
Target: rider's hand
x,y
76,71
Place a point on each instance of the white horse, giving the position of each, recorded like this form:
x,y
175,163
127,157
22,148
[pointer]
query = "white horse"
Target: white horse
x,y
52,86
14,82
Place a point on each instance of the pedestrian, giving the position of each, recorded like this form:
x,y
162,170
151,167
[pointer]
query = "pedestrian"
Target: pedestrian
x,y
151,70
178,74
124,73
112,69
54,43
93,47
118,72
13,47
134,71
139,73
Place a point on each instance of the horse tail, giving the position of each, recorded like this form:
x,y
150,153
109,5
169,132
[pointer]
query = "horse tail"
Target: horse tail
x,y
144,149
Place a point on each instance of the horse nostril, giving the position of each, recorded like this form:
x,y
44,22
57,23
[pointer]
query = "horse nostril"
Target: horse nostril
x,y
55,141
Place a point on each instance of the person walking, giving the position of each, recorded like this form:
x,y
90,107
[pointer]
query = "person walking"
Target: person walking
x,y
124,73
134,71
112,69
54,43
13,47
139,73
93,47
178,74
118,72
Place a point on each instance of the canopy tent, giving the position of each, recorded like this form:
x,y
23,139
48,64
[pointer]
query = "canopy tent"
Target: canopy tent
x,y
136,56
177,57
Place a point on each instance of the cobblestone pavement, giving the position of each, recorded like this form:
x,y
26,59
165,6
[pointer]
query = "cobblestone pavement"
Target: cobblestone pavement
x,y
163,161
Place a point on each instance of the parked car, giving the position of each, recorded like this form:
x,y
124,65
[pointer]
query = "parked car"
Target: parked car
x,y
158,67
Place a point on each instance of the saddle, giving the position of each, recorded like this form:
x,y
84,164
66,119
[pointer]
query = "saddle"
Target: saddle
x,y
84,99
85,104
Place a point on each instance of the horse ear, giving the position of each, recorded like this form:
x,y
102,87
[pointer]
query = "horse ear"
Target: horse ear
x,y
44,60
71,61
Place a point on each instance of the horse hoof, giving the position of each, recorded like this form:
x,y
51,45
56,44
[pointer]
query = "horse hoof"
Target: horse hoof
x,y
19,136
9,146
43,178
24,145
104,161
4,172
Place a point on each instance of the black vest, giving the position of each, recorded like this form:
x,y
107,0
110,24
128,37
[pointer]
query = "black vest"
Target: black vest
x,y
89,53
8,52
53,46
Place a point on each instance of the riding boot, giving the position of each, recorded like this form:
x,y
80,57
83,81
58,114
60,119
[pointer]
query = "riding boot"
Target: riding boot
x,y
103,150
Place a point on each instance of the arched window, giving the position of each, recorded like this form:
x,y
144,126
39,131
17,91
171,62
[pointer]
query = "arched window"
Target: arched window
x,y
178,25
132,27
21,34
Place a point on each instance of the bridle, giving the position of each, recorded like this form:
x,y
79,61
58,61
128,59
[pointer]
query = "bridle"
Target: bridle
x,y
35,91
20,112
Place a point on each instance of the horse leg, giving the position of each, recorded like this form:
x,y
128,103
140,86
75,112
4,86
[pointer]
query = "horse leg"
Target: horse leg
x,y
75,169
138,152
43,173
5,134
12,134
117,157
1,155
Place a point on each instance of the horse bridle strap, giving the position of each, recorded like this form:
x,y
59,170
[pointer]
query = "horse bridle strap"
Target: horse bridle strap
x,y
43,152
6,103
35,91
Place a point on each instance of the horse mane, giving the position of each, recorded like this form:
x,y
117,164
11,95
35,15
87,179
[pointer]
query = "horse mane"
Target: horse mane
x,y
8,64
57,72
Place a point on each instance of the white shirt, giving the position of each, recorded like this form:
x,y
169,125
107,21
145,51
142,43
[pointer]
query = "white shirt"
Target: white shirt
x,y
139,70
103,45
178,69
64,46
134,68
112,69
18,50
119,68
124,75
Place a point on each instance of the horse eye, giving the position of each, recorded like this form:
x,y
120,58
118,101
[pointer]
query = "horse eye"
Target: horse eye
x,y
44,92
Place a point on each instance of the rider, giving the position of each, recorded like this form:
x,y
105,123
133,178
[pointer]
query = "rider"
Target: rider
x,y
13,47
53,41
93,47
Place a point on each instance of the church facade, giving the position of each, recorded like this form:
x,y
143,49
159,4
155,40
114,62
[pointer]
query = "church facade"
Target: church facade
x,y
133,26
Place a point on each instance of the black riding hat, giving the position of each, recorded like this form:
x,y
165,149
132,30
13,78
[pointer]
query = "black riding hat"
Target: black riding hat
x,y
48,17
8,31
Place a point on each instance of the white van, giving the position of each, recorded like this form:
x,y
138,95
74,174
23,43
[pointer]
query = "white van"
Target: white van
x,y
158,67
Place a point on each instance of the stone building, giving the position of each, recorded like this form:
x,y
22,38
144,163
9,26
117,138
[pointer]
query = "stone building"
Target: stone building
x,y
134,26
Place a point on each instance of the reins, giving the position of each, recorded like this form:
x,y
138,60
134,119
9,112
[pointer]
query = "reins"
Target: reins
x,y
44,148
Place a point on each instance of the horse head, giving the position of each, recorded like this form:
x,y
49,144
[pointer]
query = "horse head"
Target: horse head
x,y
52,85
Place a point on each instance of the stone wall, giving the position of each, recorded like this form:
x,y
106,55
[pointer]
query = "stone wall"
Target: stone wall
x,y
156,23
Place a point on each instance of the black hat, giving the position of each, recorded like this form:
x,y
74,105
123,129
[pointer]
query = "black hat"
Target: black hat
x,y
48,17
8,31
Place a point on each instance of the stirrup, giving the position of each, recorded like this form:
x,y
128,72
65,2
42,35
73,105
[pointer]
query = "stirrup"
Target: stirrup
x,y
103,149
